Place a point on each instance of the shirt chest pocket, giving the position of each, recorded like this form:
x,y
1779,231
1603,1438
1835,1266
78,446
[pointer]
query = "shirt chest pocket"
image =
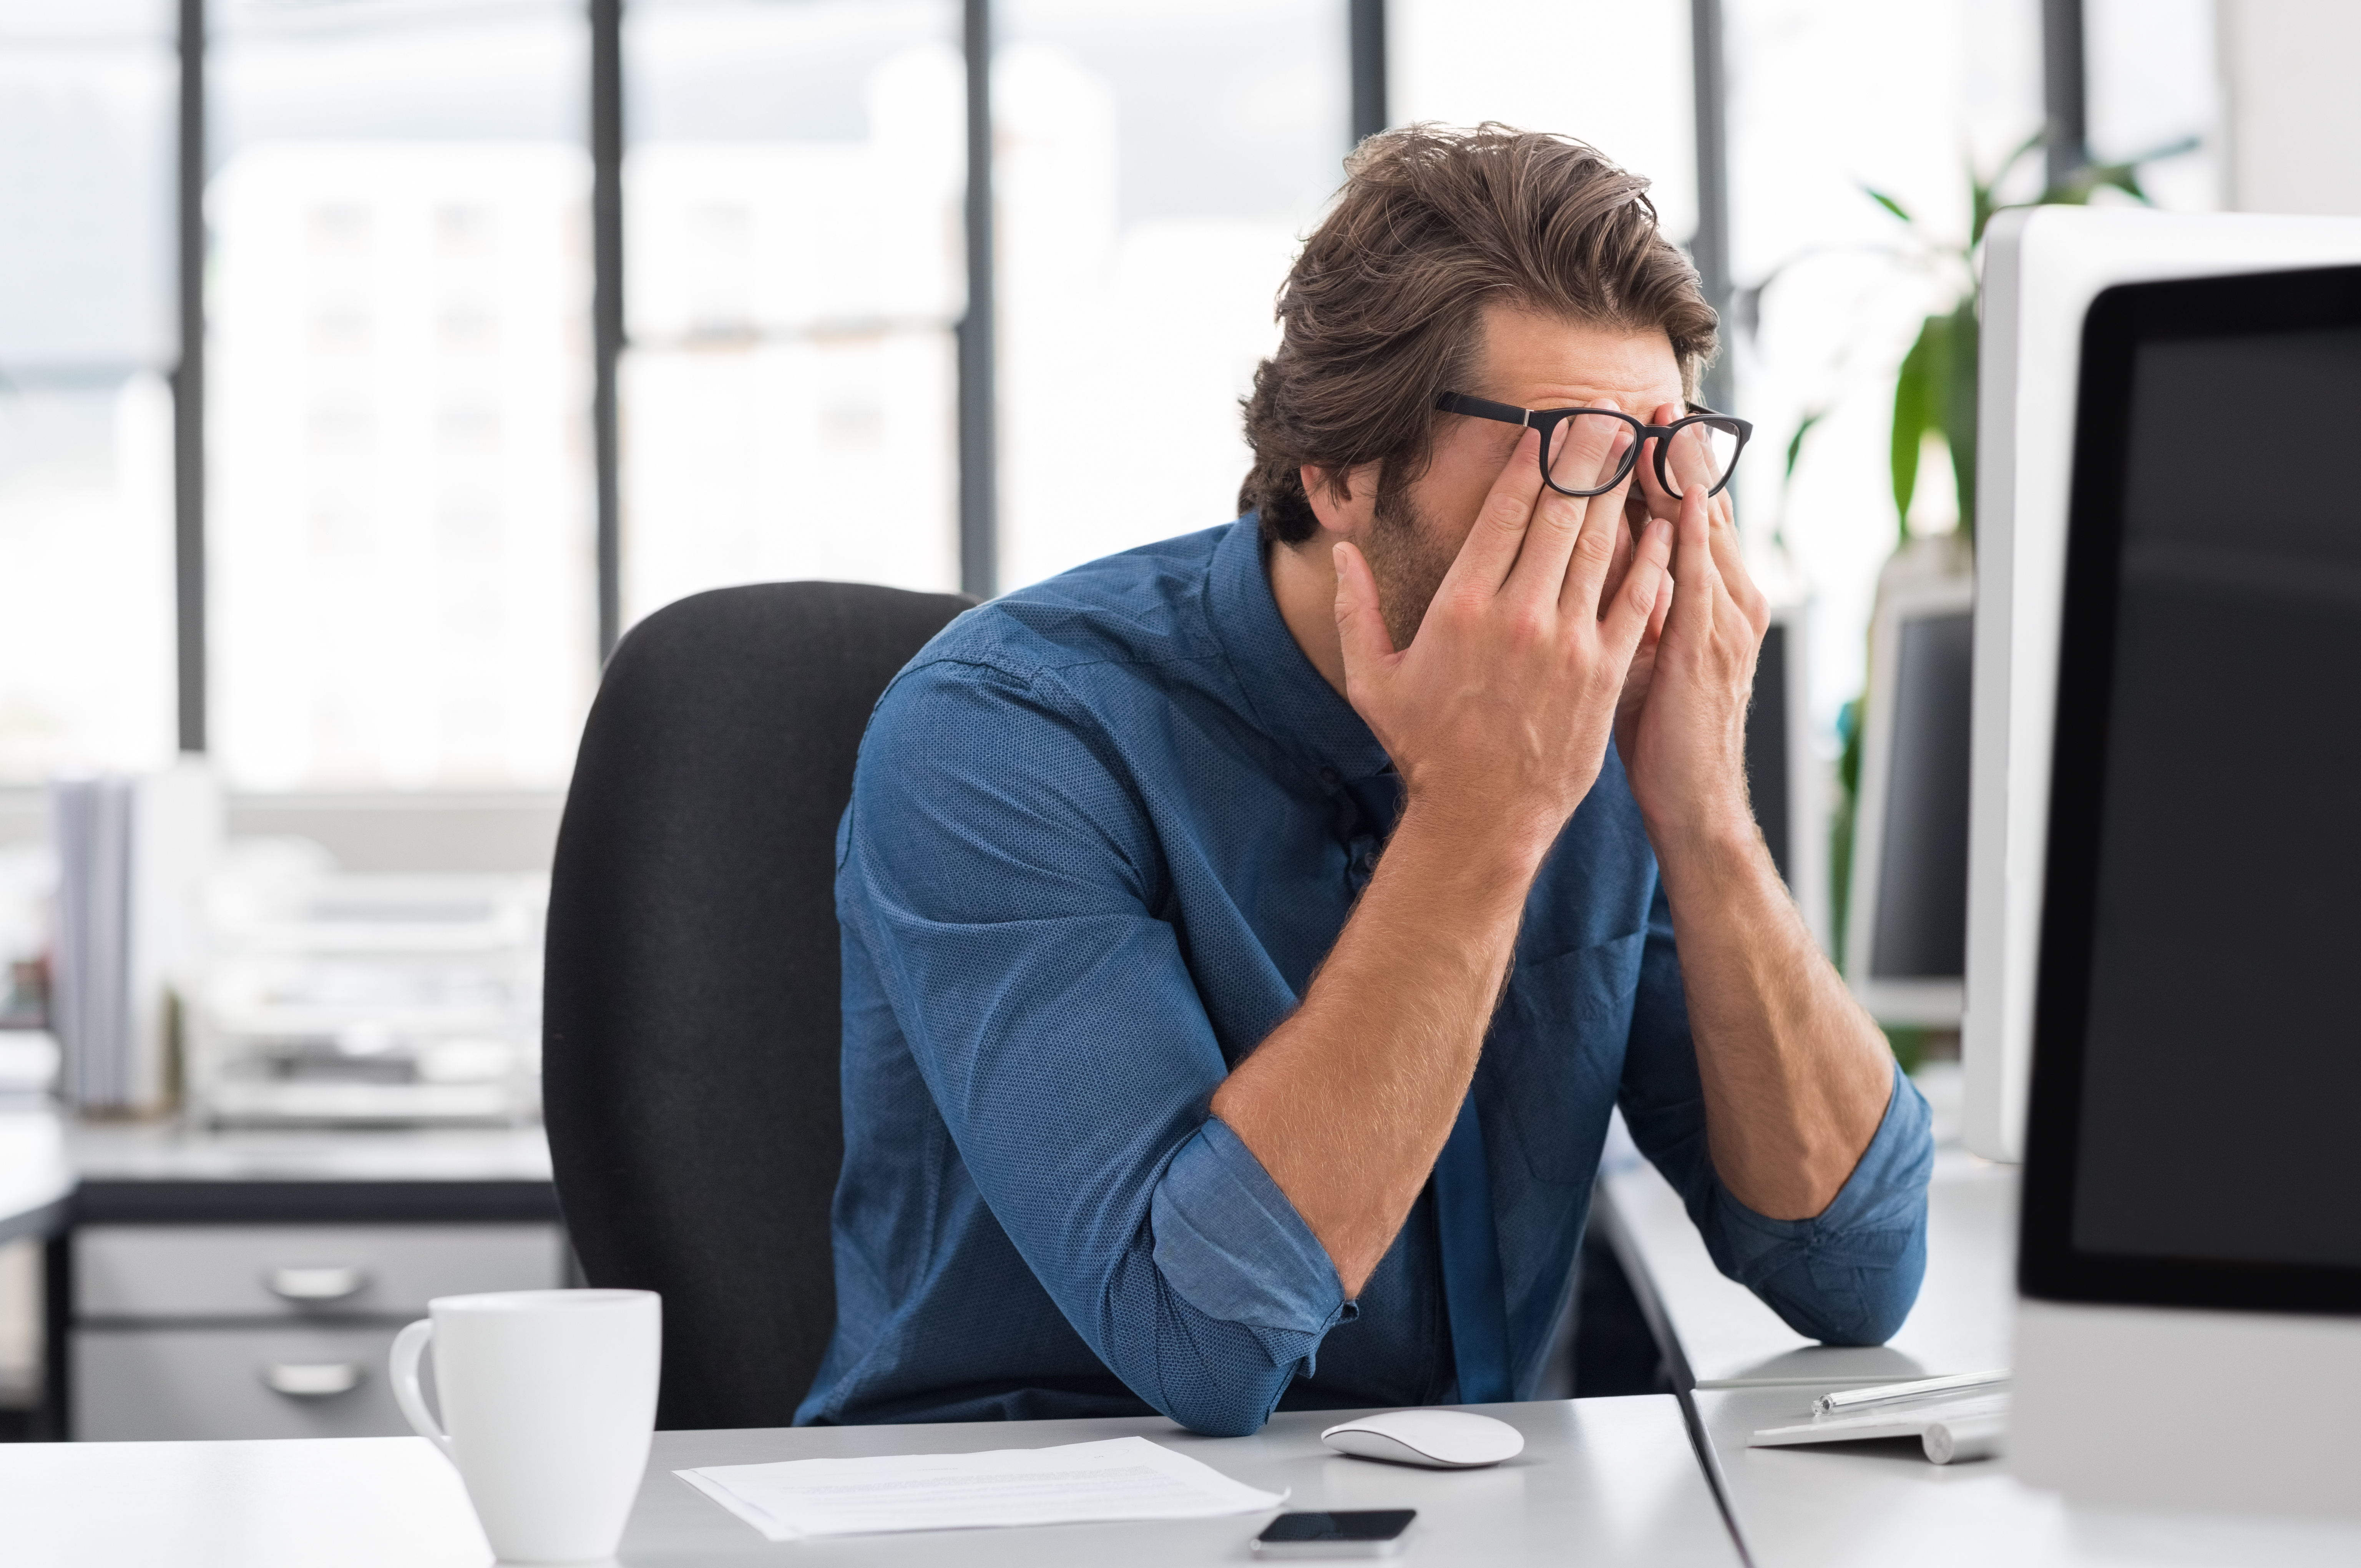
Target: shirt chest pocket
x,y
1558,1045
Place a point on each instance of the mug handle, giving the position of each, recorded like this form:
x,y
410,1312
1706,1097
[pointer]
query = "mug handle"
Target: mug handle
x,y
402,1369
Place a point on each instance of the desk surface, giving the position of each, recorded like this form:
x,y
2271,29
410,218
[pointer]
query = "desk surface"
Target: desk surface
x,y
140,1170
1960,1323
1870,1505
167,1151
1602,1481
1874,1504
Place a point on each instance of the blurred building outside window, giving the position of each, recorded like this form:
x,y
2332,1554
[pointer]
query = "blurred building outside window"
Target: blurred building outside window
x,y
398,489
2154,82
1619,74
88,330
794,269
1156,165
400,513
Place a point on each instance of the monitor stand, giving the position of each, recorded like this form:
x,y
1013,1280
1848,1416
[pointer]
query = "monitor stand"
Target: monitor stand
x,y
2181,1410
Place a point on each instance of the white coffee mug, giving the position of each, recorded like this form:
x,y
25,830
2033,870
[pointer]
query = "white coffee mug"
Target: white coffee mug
x,y
550,1399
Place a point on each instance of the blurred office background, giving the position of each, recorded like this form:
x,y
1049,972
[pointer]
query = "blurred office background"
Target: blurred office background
x,y
368,366
399,562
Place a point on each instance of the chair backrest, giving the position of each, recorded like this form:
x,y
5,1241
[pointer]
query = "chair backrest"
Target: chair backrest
x,y
691,1034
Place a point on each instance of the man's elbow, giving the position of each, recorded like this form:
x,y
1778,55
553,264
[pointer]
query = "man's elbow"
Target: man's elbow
x,y
1217,1377
1887,1311
1219,1384
1213,1414
1872,1312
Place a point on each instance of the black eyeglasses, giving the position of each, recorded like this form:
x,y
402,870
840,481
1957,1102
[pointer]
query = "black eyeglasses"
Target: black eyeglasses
x,y
1588,451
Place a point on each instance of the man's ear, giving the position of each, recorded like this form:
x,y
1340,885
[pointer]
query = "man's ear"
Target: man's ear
x,y
1345,502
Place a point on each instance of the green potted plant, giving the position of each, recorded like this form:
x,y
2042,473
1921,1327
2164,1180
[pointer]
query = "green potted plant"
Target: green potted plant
x,y
1935,418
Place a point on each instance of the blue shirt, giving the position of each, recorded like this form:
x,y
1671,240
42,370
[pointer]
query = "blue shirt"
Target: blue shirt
x,y
1102,833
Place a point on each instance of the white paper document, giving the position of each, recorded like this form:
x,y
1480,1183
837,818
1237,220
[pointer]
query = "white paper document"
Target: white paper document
x,y
1121,1478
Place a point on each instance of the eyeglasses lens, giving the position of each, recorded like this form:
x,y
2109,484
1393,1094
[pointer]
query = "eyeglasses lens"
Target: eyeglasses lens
x,y
1586,450
1700,456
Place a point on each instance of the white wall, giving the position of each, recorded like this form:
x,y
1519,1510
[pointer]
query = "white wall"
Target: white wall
x,y
2294,110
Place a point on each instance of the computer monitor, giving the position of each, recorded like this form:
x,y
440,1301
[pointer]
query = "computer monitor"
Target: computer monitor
x,y
1783,768
2190,1262
2042,268
1906,904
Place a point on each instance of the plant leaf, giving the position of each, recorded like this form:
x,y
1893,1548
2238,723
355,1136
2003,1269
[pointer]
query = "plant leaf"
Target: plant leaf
x,y
1919,388
1796,443
1958,411
1890,204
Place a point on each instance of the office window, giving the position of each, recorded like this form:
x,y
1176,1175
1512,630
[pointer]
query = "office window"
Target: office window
x,y
793,267
400,375
1827,100
2155,83
87,333
1156,165
1615,74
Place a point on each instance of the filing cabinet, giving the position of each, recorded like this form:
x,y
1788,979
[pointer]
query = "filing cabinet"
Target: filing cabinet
x,y
258,1331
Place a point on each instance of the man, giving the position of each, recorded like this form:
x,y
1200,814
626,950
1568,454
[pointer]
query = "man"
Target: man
x,y
1247,938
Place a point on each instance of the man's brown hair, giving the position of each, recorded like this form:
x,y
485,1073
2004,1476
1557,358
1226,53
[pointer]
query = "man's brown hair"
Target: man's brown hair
x,y
1384,308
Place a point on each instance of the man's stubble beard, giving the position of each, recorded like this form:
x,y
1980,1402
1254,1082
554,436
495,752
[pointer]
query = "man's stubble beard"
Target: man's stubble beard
x,y
1408,559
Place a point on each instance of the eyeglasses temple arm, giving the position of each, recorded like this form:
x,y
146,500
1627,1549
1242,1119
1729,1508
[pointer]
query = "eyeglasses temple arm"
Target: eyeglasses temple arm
x,y
1482,408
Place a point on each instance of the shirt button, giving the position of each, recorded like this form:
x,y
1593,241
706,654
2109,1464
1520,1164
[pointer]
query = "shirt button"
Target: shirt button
x,y
1330,777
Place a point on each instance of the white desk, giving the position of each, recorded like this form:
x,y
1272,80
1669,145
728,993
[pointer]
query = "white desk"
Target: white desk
x,y
46,1159
169,1152
1874,1505
1877,1504
231,1192
1730,1339
1602,1483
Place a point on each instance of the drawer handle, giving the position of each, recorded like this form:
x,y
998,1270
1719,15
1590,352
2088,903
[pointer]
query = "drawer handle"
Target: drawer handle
x,y
312,1379
330,1284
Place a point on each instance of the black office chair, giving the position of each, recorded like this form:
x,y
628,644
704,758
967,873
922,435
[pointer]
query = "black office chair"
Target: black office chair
x,y
690,1023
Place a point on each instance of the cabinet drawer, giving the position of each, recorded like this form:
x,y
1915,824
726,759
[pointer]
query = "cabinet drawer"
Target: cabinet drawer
x,y
302,1271
143,1383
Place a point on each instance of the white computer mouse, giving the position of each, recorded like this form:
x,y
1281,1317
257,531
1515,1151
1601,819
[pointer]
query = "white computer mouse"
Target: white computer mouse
x,y
1441,1440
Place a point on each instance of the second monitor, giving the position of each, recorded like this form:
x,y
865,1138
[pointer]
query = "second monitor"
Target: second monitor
x,y
1906,905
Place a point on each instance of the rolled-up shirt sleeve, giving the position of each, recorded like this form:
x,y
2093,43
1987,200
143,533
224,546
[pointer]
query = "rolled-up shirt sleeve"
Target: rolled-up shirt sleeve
x,y
1009,918
1229,1242
1847,1276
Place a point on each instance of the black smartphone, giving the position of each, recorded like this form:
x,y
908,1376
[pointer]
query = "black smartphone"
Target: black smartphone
x,y
1363,1533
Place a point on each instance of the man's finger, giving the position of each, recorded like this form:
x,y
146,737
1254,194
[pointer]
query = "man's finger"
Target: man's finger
x,y
1587,449
1588,575
1618,567
1729,561
1556,563
1360,622
1690,460
1491,550
1695,577
1639,598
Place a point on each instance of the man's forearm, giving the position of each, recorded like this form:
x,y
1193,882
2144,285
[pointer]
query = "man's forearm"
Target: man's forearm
x,y
1796,1076
1348,1103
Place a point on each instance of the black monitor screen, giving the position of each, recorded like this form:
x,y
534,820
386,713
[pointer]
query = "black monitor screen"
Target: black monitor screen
x,y
2208,784
1919,928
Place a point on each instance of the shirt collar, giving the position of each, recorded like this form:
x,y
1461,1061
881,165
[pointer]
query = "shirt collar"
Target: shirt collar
x,y
1287,696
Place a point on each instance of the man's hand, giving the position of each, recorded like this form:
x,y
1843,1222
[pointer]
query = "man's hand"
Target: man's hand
x,y
1681,720
1796,1076
1497,715
1497,718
